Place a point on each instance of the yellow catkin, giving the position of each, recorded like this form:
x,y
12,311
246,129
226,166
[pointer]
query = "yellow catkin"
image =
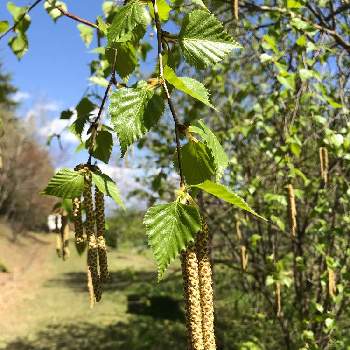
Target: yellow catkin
x,y
324,163
92,258
90,289
185,292
58,245
77,220
206,288
238,230
235,8
192,298
65,234
292,211
278,304
92,255
332,288
244,257
100,230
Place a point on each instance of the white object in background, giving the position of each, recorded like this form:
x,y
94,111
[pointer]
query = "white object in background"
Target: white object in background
x,y
54,222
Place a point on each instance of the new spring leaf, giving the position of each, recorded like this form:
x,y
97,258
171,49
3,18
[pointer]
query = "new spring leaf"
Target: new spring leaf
x,y
189,86
65,183
170,228
204,40
134,111
222,192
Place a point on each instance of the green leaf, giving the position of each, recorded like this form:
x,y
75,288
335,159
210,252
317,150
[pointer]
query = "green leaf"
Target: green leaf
x,y
4,26
197,162
84,109
189,86
19,45
106,185
200,3
218,153
126,58
103,146
128,113
65,183
67,114
51,8
163,10
86,33
101,81
204,40
129,19
102,25
16,11
293,4
222,192
170,228
287,79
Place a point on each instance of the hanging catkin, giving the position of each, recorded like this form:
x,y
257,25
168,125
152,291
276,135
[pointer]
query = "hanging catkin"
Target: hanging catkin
x,y
90,289
206,288
92,255
78,222
243,249
185,292
64,234
80,242
58,244
238,230
100,230
234,9
292,211
278,305
324,164
332,288
192,298
244,258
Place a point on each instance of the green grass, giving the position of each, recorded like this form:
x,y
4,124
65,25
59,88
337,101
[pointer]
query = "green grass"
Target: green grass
x,y
57,314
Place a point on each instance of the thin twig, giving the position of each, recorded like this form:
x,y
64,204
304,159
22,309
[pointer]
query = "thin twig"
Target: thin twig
x,y
20,19
167,94
77,18
94,128
338,38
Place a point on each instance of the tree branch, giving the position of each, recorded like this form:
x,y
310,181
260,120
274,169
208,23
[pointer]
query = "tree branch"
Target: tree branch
x,y
166,90
338,38
37,2
76,18
95,126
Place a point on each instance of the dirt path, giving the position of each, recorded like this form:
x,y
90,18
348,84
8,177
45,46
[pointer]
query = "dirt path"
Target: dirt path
x,y
26,260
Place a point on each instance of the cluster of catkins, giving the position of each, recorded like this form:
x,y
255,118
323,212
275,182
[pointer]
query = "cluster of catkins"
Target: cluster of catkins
x,y
95,229
198,292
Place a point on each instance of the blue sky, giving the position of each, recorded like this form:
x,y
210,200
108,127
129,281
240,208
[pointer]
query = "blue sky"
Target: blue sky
x,y
56,65
53,76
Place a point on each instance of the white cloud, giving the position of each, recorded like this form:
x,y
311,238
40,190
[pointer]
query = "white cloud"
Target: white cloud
x,y
55,126
40,110
20,96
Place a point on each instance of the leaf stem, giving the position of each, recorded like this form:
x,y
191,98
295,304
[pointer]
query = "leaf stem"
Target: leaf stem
x,y
166,90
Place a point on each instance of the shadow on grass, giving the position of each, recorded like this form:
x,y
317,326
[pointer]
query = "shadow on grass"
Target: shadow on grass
x,y
120,280
139,333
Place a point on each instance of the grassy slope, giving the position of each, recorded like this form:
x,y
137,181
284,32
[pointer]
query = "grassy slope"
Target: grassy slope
x,y
55,312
